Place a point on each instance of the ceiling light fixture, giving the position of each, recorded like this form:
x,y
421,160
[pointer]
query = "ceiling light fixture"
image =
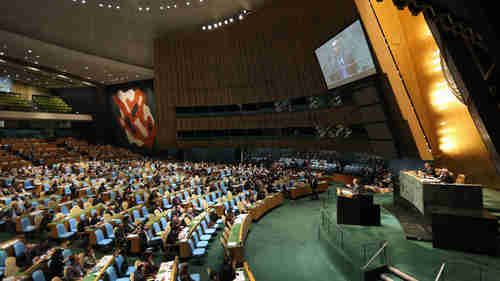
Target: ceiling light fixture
x,y
32,68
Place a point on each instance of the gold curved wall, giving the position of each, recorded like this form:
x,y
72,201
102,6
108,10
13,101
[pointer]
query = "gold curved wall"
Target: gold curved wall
x,y
453,136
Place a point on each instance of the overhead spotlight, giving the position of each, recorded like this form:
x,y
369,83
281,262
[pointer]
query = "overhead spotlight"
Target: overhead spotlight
x,y
147,9
30,51
244,11
32,68
240,17
225,22
140,8
110,6
203,27
209,27
2,61
84,1
231,20
168,6
2,53
188,3
101,5
161,8
118,7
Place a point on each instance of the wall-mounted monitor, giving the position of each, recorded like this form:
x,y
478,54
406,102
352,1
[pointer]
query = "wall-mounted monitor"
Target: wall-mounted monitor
x,y
346,57
5,84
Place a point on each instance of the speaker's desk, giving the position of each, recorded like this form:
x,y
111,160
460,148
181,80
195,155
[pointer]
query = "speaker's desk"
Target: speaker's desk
x,y
426,194
358,210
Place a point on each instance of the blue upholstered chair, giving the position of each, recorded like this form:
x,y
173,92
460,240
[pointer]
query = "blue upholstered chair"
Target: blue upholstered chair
x,y
112,276
38,276
26,225
101,241
62,233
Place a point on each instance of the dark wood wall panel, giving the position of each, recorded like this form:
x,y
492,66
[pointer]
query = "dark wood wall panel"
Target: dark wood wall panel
x,y
367,95
306,145
346,115
269,56
379,131
372,113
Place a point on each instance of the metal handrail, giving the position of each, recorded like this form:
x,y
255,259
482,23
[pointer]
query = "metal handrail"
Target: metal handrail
x,y
375,255
440,273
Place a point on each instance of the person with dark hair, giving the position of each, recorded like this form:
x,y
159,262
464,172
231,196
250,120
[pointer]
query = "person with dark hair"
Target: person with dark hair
x,y
89,259
139,274
73,271
314,186
228,269
56,265
184,272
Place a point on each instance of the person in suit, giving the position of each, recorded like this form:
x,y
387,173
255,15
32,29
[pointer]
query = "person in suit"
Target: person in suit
x,y
73,271
355,186
184,272
314,185
445,176
227,272
428,170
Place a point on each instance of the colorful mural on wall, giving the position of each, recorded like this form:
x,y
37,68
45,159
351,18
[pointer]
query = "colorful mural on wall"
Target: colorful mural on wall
x,y
133,108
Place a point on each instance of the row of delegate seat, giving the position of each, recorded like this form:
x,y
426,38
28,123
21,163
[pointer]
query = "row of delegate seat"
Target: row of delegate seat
x,y
202,235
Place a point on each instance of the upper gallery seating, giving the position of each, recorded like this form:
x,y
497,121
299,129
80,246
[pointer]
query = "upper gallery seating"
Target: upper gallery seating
x,y
51,104
9,101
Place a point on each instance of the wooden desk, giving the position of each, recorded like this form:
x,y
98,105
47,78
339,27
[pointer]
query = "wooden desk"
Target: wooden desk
x,y
168,270
237,237
8,246
426,195
261,207
96,273
345,179
300,190
184,249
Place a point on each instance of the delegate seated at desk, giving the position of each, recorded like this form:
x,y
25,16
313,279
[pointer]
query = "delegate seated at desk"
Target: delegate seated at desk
x,y
428,170
445,176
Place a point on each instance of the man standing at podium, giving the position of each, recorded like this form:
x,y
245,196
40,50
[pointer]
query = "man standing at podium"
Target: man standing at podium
x,y
355,187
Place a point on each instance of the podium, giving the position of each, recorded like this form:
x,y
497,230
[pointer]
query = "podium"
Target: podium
x,y
358,210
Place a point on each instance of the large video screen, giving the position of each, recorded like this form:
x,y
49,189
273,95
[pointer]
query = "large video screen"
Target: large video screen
x,y
5,84
346,57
